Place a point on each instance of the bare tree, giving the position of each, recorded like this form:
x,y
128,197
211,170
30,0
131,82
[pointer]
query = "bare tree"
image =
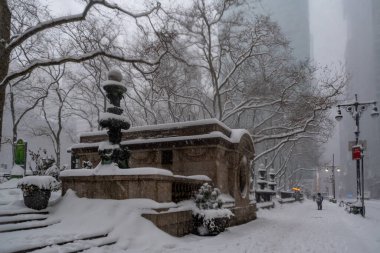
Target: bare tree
x,y
28,98
21,23
249,77
54,112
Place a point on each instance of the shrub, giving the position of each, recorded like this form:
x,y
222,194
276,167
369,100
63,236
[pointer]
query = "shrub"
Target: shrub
x,y
209,217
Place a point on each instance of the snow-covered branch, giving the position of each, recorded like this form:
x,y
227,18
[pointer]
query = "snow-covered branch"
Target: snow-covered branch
x,y
80,58
20,38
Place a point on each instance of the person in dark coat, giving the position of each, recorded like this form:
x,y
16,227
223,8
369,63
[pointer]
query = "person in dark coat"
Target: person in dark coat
x,y
319,200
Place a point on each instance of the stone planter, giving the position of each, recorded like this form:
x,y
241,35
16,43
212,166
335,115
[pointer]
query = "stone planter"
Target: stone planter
x,y
211,227
37,189
36,198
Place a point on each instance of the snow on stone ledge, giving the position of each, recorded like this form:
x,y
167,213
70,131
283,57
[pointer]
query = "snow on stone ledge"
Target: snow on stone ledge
x,y
42,182
236,134
195,177
214,134
235,138
105,145
163,126
113,83
111,116
111,170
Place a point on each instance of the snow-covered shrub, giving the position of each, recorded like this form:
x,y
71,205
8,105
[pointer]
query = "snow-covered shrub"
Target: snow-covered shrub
x,y
209,217
44,164
53,171
207,197
42,161
87,165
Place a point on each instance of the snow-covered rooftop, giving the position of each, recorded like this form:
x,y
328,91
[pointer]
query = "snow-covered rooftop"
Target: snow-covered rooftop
x,y
176,125
235,138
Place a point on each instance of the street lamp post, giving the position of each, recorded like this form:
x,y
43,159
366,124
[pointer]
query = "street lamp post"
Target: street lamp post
x,y
356,109
333,168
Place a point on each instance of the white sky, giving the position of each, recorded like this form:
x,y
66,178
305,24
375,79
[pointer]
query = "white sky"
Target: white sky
x,y
328,31
329,35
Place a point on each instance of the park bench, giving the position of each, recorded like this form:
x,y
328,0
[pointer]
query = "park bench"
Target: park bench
x,y
353,207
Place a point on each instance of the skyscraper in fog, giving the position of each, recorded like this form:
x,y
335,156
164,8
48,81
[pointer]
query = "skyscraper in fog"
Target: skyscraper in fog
x,y
362,60
293,18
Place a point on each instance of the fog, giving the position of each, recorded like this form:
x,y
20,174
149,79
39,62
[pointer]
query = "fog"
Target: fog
x,y
340,33
347,32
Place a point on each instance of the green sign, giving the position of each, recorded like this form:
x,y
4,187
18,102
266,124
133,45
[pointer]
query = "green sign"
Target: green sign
x,y
20,152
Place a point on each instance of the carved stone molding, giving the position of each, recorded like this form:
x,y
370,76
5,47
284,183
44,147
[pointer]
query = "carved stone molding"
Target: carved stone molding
x,y
144,157
196,154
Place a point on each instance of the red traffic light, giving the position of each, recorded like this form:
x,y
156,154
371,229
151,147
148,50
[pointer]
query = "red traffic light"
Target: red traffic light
x,y
356,153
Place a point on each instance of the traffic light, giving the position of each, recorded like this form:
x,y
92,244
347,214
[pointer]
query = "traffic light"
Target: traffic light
x,y
356,152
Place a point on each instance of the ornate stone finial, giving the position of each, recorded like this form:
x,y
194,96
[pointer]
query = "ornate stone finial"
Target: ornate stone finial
x,y
114,88
115,75
113,120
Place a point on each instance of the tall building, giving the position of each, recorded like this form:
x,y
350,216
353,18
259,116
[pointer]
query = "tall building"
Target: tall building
x,y
362,61
293,18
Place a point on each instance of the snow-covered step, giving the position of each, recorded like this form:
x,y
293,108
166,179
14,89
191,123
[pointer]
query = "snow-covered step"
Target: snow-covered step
x,y
20,212
27,225
76,244
13,219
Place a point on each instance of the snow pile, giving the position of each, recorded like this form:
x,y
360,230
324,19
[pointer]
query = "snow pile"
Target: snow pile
x,y
90,217
10,184
292,228
17,170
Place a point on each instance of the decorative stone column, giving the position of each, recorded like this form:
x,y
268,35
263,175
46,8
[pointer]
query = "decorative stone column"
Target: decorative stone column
x,y
262,184
272,183
111,152
262,177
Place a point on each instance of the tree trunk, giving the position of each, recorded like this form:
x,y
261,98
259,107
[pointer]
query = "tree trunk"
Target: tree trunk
x,y
5,27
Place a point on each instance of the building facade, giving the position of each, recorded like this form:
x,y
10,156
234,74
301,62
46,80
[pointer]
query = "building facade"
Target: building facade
x,y
362,62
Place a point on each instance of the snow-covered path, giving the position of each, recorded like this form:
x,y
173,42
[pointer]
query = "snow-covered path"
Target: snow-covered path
x,y
297,227
288,228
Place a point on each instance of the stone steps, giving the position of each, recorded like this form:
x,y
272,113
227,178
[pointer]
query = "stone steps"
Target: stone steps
x,y
14,219
73,245
26,225
17,220
20,212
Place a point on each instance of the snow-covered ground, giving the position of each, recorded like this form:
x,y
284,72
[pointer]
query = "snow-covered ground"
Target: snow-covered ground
x,y
288,228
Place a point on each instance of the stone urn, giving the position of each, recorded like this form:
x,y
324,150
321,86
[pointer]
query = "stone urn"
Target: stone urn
x,y
209,217
203,225
36,190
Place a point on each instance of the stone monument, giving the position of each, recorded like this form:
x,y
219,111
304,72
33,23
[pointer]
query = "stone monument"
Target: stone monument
x,y
169,163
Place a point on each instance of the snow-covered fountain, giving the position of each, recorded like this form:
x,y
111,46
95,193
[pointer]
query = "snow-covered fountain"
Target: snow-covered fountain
x,y
166,163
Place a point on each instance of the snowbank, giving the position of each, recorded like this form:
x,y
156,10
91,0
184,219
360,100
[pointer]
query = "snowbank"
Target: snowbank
x,y
17,170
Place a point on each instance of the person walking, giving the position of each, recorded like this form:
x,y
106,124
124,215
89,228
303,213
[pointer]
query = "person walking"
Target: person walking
x,y
319,200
